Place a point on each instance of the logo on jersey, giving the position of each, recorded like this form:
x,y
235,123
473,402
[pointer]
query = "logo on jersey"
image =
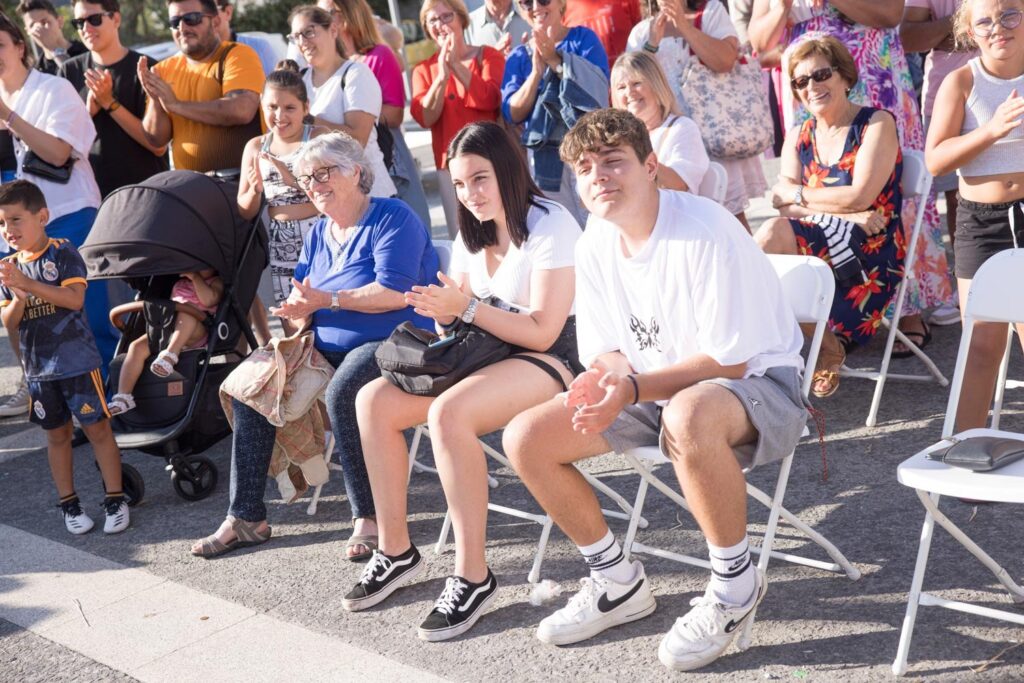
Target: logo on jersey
x,y
40,410
50,271
86,409
646,336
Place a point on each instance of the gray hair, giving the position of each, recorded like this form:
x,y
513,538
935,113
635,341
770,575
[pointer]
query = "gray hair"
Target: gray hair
x,y
337,149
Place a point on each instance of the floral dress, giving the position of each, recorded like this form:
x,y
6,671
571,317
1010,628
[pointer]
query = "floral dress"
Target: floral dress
x,y
883,82
856,311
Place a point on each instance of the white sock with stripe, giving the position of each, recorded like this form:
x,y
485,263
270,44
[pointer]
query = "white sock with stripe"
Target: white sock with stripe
x,y
605,557
732,573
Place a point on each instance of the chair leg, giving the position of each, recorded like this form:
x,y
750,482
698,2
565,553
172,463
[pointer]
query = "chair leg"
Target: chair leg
x,y
542,545
446,528
627,509
414,449
899,666
997,405
634,519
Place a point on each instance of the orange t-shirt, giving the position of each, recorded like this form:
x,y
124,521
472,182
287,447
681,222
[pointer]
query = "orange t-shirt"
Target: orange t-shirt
x,y
480,102
199,146
611,20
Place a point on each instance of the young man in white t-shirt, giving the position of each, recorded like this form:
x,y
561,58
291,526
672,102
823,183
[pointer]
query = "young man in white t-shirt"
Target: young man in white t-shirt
x,y
691,346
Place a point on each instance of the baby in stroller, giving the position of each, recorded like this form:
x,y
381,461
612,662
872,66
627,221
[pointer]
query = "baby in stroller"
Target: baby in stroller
x,y
202,289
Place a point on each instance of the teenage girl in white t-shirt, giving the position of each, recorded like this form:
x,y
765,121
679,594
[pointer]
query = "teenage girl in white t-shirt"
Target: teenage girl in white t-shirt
x,y
517,247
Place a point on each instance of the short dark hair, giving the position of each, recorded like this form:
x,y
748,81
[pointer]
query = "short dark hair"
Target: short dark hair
x,y
210,6
22,192
107,5
518,190
26,6
605,128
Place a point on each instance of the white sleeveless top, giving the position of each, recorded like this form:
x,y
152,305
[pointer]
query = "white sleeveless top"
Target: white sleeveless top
x,y
1006,155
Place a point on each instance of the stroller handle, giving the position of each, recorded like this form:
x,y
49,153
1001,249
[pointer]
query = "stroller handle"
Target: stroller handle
x,y
118,313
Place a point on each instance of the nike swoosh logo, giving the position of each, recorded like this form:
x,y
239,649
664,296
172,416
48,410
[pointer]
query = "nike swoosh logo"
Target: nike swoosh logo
x,y
394,565
472,596
731,626
605,605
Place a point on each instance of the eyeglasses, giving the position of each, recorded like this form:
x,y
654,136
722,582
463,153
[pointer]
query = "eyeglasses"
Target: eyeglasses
x,y
189,18
1010,19
818,76
94,20
308,34
321,175
527,5
441,19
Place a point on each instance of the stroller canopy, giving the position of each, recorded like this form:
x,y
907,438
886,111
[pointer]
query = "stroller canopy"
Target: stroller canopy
x,y
172,223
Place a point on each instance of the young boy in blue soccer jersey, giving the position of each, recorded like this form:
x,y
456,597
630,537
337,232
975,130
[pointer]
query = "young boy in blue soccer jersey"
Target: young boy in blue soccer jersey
x,y
42,289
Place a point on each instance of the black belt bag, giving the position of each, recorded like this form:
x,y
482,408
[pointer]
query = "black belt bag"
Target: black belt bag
x,y
980,453
35,165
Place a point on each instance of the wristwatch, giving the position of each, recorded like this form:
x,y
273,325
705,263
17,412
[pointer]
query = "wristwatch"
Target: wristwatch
x,y
335,305
114,106
470,313
798,196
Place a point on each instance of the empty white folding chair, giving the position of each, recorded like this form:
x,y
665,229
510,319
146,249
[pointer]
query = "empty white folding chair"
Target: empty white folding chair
x,y
808,284
715,183
916,182
987,301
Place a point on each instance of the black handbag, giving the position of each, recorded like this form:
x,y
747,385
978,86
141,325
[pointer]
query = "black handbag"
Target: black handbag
x,y
35,165
422,363
980,453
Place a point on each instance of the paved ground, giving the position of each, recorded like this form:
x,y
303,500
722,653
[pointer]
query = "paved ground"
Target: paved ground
x,y
812,626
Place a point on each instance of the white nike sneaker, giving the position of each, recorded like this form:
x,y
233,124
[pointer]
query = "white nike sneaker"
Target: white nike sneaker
x,y
600,604
706,631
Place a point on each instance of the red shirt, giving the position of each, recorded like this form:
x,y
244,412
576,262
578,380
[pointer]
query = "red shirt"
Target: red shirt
x,y
611,20
480,102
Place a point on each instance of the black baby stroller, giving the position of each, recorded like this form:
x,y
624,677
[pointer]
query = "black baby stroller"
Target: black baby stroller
x,y
148,234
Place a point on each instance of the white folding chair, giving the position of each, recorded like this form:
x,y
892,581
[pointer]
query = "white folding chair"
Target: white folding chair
x,y
987,301
809,285
715,183
917,182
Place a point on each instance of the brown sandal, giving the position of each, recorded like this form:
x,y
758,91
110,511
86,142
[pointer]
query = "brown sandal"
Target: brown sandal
x,y
829,376
246,535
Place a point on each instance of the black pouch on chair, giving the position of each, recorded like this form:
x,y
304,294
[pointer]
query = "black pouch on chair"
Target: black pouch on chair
x,y
980,453
159,315
35,165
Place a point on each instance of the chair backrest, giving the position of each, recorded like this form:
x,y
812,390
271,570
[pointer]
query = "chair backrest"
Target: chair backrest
x,y
809,286
715,183
994,296
444,254
916,181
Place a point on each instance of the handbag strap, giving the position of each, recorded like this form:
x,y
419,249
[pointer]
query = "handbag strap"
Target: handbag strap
x,y
664,134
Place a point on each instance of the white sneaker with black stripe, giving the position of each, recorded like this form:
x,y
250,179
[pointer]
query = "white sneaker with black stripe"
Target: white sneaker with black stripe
x,y
706,631
382,576
118,517
460,606
600,604
75,519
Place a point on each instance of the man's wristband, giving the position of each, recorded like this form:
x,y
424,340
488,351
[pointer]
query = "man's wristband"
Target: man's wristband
x,y
114,106
636,389
653,49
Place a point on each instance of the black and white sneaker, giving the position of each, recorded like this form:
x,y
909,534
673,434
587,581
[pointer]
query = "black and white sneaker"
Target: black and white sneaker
x,y
382,576
118,517
75,519
460,606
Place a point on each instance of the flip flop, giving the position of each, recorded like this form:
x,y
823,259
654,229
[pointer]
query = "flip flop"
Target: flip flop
x,y
914,336
246,535
367,541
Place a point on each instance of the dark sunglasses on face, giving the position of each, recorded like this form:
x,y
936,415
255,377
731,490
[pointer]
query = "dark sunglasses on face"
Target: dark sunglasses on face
x,y
190,19
1010,19
818,76
527,5
93,20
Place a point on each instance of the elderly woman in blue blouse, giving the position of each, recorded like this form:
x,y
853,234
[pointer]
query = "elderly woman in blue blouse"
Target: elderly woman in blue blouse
x,y
355,266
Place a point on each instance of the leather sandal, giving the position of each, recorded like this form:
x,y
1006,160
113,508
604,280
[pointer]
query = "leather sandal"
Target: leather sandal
x,y
368,541
828,377
246,535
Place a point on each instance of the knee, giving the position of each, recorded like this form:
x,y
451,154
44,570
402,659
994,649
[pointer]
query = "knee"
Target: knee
x,y
988,344
446,416
371,401
687,424
59,437
140,346
776,237
519,445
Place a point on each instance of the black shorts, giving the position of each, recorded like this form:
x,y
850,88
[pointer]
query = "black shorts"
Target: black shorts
x,y
54,401
982,231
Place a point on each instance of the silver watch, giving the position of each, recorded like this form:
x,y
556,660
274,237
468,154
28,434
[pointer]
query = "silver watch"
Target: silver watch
x,y
798,196
335,305
470,313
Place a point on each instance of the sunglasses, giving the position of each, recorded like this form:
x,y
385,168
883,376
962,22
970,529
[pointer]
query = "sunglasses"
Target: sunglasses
x,y
1010,19
321,175
527,5
189,19
818,76
94,20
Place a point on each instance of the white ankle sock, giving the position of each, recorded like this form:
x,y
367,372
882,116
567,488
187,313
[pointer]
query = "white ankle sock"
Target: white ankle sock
x,y
605,557
732,573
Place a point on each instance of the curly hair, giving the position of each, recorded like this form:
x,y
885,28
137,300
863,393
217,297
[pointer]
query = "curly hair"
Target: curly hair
x,y
605,128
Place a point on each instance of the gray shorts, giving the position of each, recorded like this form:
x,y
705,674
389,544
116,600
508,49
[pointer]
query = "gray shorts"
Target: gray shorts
x,y
774,405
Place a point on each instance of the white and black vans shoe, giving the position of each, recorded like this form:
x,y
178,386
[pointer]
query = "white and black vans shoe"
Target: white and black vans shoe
x,y
460,606
600,604
118,517
382,576
75,519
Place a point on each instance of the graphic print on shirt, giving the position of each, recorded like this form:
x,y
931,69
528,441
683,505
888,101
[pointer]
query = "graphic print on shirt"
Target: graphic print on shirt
x,y
647,336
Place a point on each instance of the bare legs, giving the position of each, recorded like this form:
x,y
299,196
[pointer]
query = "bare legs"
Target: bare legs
x,y
59,454
187,331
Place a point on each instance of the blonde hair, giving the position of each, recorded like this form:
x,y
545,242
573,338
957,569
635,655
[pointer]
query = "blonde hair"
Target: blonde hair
x,y
457,6
962,27
645,67
357,18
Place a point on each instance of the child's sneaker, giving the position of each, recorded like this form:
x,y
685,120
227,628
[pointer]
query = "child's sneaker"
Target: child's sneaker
x,y
117,515
75,519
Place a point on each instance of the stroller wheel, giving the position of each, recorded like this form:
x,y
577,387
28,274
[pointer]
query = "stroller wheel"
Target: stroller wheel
x,y
132,484
194,478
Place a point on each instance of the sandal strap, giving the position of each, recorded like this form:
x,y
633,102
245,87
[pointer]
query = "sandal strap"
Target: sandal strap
x,y
247,531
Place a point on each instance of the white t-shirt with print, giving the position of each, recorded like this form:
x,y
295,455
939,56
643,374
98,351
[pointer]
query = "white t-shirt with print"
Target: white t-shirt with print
x,y
52,105
361,92
678,145
551,245
700,285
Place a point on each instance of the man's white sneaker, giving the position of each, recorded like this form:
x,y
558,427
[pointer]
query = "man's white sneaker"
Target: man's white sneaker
x,y
16,404
705,632
600,604
75,519
117,516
